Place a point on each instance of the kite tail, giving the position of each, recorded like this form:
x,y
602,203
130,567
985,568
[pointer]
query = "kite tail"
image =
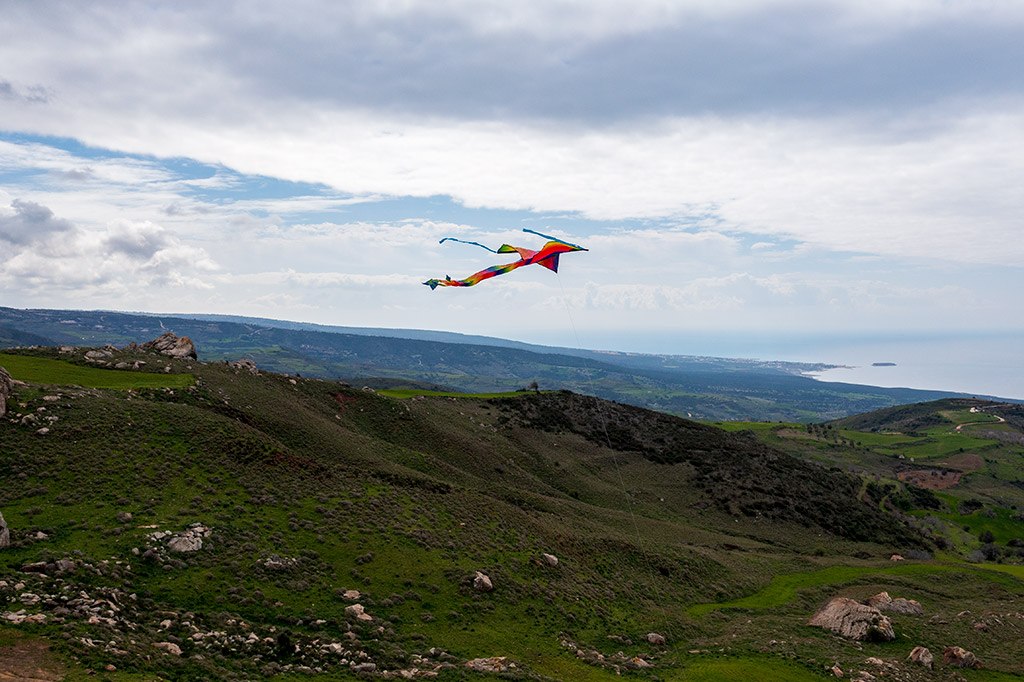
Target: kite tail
x,y
555,239
463,241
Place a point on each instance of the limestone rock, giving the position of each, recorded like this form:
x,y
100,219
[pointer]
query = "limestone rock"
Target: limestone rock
x,y
883,602
921,656
850,618
482,582
959,657
190,540
494,664
549,559
185,543
174,346
5,533
169,647
655,638
245,364
358,611
6,386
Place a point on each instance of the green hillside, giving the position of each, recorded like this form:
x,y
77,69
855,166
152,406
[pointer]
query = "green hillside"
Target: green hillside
x,y
696,387
956,466
220,527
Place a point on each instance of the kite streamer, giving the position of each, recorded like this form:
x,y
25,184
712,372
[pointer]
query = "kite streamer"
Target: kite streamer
x,y
547,257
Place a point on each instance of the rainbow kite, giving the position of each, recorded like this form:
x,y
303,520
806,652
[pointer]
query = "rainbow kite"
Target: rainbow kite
x,y
546,257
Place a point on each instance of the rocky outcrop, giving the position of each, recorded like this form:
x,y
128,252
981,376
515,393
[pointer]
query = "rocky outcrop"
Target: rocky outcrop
x,y
482,582
850,618
358,611
494,664
174,346
6,386
959,657
170,647
921,656
883,602
189,540
5,533
246,365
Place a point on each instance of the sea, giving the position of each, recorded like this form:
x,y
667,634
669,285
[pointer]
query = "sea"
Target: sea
x,y
990,365
983,366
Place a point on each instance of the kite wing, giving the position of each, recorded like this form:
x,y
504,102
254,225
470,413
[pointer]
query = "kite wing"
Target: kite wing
x,y
546,257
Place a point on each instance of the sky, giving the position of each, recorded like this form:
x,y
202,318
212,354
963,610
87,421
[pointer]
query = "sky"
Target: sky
x,y
753,169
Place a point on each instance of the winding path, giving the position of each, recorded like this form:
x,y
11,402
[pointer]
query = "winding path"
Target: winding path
x,y
976,410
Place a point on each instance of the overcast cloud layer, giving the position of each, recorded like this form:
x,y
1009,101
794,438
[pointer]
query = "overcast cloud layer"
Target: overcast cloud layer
x,y
772,166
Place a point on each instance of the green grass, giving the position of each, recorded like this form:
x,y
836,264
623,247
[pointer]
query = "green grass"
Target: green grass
x,y
730,670
967,417
1002,526
57,372
783,588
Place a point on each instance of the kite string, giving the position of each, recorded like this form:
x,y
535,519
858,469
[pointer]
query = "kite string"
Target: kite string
x,y
604,426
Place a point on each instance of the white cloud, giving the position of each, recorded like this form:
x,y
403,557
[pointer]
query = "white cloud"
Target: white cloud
x,y
28,223
51,254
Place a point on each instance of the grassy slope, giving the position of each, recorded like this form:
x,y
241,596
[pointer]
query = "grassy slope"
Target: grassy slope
x,y
38,370
406,499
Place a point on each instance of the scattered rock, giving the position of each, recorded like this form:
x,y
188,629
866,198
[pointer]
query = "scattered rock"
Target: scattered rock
x,y
189,541
6,386
836,670
350,595
883,602
5,533
364,668
921,656
850,618
655,638
245,364
482,582
358,611
896,557
959,657
169,647
279,563
494,664
174,346
123,517
549,559
96,355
